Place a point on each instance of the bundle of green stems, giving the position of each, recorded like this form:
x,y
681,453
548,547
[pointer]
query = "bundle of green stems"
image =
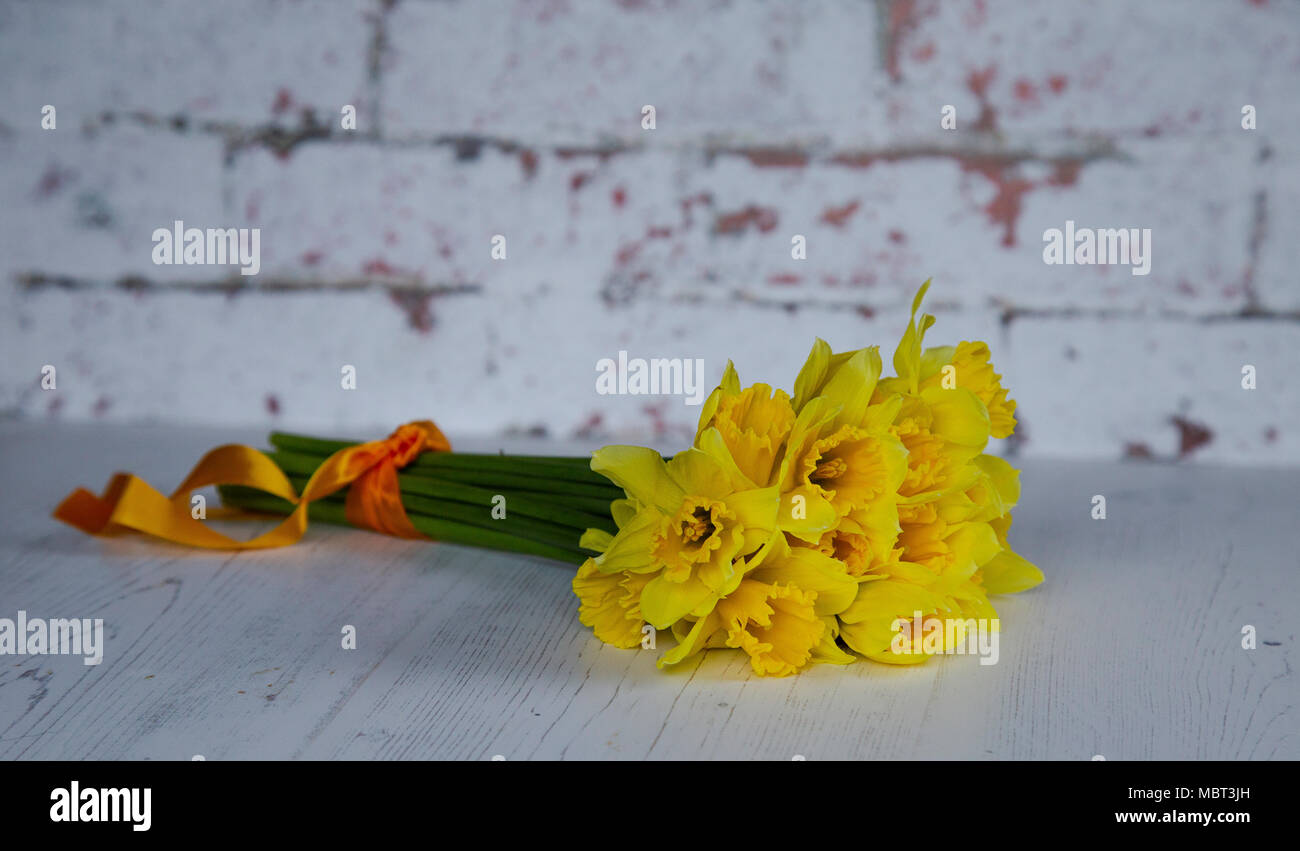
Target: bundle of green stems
x,y
534,504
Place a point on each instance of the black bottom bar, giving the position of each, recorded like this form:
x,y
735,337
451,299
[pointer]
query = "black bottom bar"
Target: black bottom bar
x,y
245,799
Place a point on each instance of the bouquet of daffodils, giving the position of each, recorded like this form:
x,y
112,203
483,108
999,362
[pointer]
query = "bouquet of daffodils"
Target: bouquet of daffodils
x,y
807,528
858,516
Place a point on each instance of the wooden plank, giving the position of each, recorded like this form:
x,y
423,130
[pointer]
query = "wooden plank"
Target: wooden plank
x,y
1131,649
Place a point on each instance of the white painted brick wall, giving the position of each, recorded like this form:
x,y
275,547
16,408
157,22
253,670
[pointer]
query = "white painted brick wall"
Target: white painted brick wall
x,y
523,119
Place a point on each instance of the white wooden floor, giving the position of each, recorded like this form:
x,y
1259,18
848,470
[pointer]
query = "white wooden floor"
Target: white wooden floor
x,y
1130,650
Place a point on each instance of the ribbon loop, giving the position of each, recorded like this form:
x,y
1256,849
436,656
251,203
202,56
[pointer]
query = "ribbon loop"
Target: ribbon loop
x,y
373,502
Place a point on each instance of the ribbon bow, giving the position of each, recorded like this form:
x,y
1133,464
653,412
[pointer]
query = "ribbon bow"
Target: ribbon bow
x,y
373,502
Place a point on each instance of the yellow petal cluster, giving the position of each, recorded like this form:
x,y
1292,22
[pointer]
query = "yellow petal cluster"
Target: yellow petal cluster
x,y
809,527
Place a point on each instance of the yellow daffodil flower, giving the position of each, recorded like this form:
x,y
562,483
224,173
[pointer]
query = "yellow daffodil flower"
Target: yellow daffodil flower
x,y
866,539
753,424
691,528
840,456
781,614
971,370
610,603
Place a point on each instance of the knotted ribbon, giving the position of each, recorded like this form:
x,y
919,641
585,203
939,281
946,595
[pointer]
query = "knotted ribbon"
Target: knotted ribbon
x,y
373,502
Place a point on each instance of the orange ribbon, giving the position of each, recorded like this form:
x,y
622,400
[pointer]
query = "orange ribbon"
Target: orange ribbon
x,y
373,502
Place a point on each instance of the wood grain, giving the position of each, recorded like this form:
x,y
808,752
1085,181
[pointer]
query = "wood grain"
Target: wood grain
x,y
1131,649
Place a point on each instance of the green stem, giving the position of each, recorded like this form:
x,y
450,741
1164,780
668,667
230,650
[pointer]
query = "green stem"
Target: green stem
x,y
451,496
302,462
522,482
524,527
576,512
543,466
327,511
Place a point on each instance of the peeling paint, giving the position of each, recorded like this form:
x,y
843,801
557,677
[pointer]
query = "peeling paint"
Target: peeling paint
x,y
1191,435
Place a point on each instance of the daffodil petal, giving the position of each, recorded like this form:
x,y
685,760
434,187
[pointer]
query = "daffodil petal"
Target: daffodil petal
x,y
868,626
916,574
959,415
972,545
812,375
907,357
623,510
630,549
852,384
806,514
811,570
641,472
1004,477
881,415
756,511
663,602
608,604
935,358
698,473
596,540
711,443
693,642
828,652
886,600
1008,572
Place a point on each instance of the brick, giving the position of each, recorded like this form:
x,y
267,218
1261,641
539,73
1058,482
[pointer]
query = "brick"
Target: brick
x,y
86,205
1094,388
245,60
564,74
1276,210
1122,69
